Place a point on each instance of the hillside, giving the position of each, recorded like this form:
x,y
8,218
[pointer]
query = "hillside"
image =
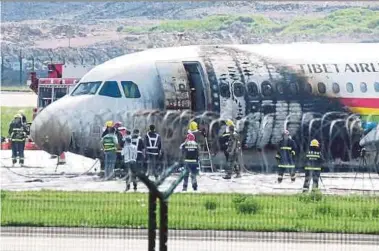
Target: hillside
x,y
93,32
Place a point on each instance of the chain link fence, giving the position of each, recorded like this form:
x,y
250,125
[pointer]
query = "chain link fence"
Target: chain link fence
x,y
74,195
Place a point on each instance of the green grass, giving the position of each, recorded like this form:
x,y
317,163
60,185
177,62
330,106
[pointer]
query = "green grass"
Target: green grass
x,y
315,213
18,88
7,114
346,21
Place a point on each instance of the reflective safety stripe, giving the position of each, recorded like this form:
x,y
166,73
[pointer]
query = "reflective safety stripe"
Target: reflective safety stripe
x,y
190,160
135,141
277,156
312,168
109,144
287,166
293,152
139,151
286,148
18,140
313,156
151,145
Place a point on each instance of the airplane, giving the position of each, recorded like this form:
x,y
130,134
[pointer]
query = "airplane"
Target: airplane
x,y
315,90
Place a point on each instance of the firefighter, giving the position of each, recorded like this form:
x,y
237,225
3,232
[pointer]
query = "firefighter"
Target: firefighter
x,y
25,126
190,150
110,145
199,135
23,117
17,137
153,151
119,162
138,142
108,126
224,140
313,165
129,152
234,151
285,156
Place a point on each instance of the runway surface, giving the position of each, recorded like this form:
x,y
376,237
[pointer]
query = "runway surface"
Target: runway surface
x,y
80,174
41,239
18,99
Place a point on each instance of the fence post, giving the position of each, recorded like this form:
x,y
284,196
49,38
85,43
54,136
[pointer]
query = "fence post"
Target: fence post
x,y
152,220
163,228
154,194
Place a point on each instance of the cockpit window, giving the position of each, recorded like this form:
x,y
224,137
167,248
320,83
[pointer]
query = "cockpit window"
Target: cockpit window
x,y
130,89
86,88
110,89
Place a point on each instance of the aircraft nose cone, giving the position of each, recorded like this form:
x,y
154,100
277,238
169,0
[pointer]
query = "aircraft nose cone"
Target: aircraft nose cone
x,y
50,130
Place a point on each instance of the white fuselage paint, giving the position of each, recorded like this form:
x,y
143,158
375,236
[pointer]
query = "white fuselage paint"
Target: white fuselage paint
x,y
85,115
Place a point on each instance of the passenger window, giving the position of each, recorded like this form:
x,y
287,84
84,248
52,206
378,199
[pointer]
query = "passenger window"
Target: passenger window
x,y
336,88
349,87
110,89
294,88
266,88
252,89
130,89
308,88
280,88
363,87
224,90
239,89
321,87
376,86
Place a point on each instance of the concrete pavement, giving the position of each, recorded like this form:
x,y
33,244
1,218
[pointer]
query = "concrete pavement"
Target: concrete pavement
x,y
67,239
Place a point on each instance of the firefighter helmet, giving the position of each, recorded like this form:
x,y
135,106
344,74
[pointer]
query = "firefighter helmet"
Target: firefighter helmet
x,y
18,116
190,137
193,126
229,122
109,123
315,142
21,112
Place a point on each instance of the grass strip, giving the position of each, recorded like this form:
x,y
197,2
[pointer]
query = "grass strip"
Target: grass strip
x,y
339,22
7,115
300,213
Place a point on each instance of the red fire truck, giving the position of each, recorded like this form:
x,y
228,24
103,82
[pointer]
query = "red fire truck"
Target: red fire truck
x,y
60,80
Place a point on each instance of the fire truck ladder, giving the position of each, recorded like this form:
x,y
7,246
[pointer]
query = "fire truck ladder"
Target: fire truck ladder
x,y
205,158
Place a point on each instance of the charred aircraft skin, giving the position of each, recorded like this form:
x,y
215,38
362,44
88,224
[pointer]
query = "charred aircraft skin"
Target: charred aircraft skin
x,y
263,94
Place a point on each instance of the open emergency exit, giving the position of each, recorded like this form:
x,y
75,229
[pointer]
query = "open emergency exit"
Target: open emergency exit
x,y
183,85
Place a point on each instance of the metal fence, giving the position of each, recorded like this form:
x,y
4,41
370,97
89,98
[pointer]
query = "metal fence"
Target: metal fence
x,y
198,220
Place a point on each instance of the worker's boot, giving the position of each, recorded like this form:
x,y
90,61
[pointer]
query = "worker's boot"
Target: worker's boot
x,y
280,179
184,188
227,177
127,188
134,186
14,161
238,175
194,187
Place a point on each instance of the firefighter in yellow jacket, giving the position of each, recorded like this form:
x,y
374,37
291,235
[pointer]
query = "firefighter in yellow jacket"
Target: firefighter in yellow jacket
x,y
313,165
286,156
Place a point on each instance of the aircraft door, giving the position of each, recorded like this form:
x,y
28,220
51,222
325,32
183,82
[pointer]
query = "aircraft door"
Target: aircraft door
x,y
174,80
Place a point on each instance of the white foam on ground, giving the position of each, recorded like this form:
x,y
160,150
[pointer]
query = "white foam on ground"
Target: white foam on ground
x,y
78,174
